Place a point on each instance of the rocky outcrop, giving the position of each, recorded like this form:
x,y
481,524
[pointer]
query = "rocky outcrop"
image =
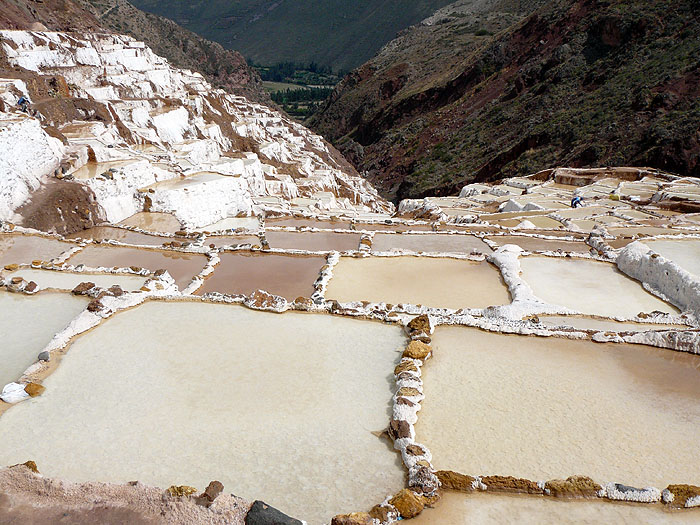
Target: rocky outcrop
x,y
263,514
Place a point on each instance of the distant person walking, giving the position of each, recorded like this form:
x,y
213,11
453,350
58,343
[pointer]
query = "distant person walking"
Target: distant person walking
x,y
23,104
576,202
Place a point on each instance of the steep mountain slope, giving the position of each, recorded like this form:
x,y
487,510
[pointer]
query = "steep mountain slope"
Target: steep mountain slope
x,y
334,33
581,82
223,68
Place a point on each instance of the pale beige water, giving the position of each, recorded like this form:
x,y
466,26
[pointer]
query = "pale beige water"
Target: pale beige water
x,y
685,253
544,408
436,282
298,222
313,241
153,222
588,287
429,243
232,240
27,324
103,233
181,266
69,280
288,276
93,169
490,509
592,323
277,407
18,249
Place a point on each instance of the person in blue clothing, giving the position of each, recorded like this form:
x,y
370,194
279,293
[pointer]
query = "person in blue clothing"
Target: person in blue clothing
x,y
23,104
576,202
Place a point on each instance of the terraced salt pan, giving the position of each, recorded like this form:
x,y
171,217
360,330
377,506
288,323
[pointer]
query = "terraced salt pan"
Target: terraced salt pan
x,y
232,223
153,222
18,249
296,222
428,243
588,287
591,323
314,241
69,280
277,407
534,243
489,509
94,169
436,282
545,408
186,182
232,240
103,233
27,324
685,253
181,266
285,275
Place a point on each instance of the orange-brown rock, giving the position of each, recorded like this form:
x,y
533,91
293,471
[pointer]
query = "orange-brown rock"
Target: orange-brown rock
x,y
380,513
573,487
206,498
356,518
399,429
31,465
94,306
16,280
405,366
420,324
11,267
178,491
404,401
408,391
34,389
408,503
417,350
83,288
511,484
682,493
31,287
135,269
455,481
415,450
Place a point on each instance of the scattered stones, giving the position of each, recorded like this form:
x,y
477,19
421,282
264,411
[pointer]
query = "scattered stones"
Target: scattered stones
x,y
572,487
95,306
180,491
31,287
420,324
263,514
405,366
407,503
381,513
34,389
455,481
407,391
417,350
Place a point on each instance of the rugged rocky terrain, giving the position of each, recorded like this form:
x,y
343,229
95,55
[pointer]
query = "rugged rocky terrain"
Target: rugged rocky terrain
x,y
333,33
580,83
224,68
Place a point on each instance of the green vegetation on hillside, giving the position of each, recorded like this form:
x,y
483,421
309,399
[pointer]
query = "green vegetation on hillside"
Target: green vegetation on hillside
x,y
337,33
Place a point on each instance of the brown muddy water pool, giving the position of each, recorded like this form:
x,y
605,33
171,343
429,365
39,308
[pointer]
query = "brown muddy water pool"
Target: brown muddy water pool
x,y
69,280
104,233
285,275
313,241
533,244
19,249
153,222
429,243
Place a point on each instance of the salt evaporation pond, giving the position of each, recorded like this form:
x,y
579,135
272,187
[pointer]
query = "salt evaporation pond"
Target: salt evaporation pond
x,y
27,324
491,509
153,222
69,280
277,407
520,406
533,244
248,223
588,287
313,241
243,273
232,240
298,222
685,253
181,266
592,323
436,282
107,233
429,243
19,249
